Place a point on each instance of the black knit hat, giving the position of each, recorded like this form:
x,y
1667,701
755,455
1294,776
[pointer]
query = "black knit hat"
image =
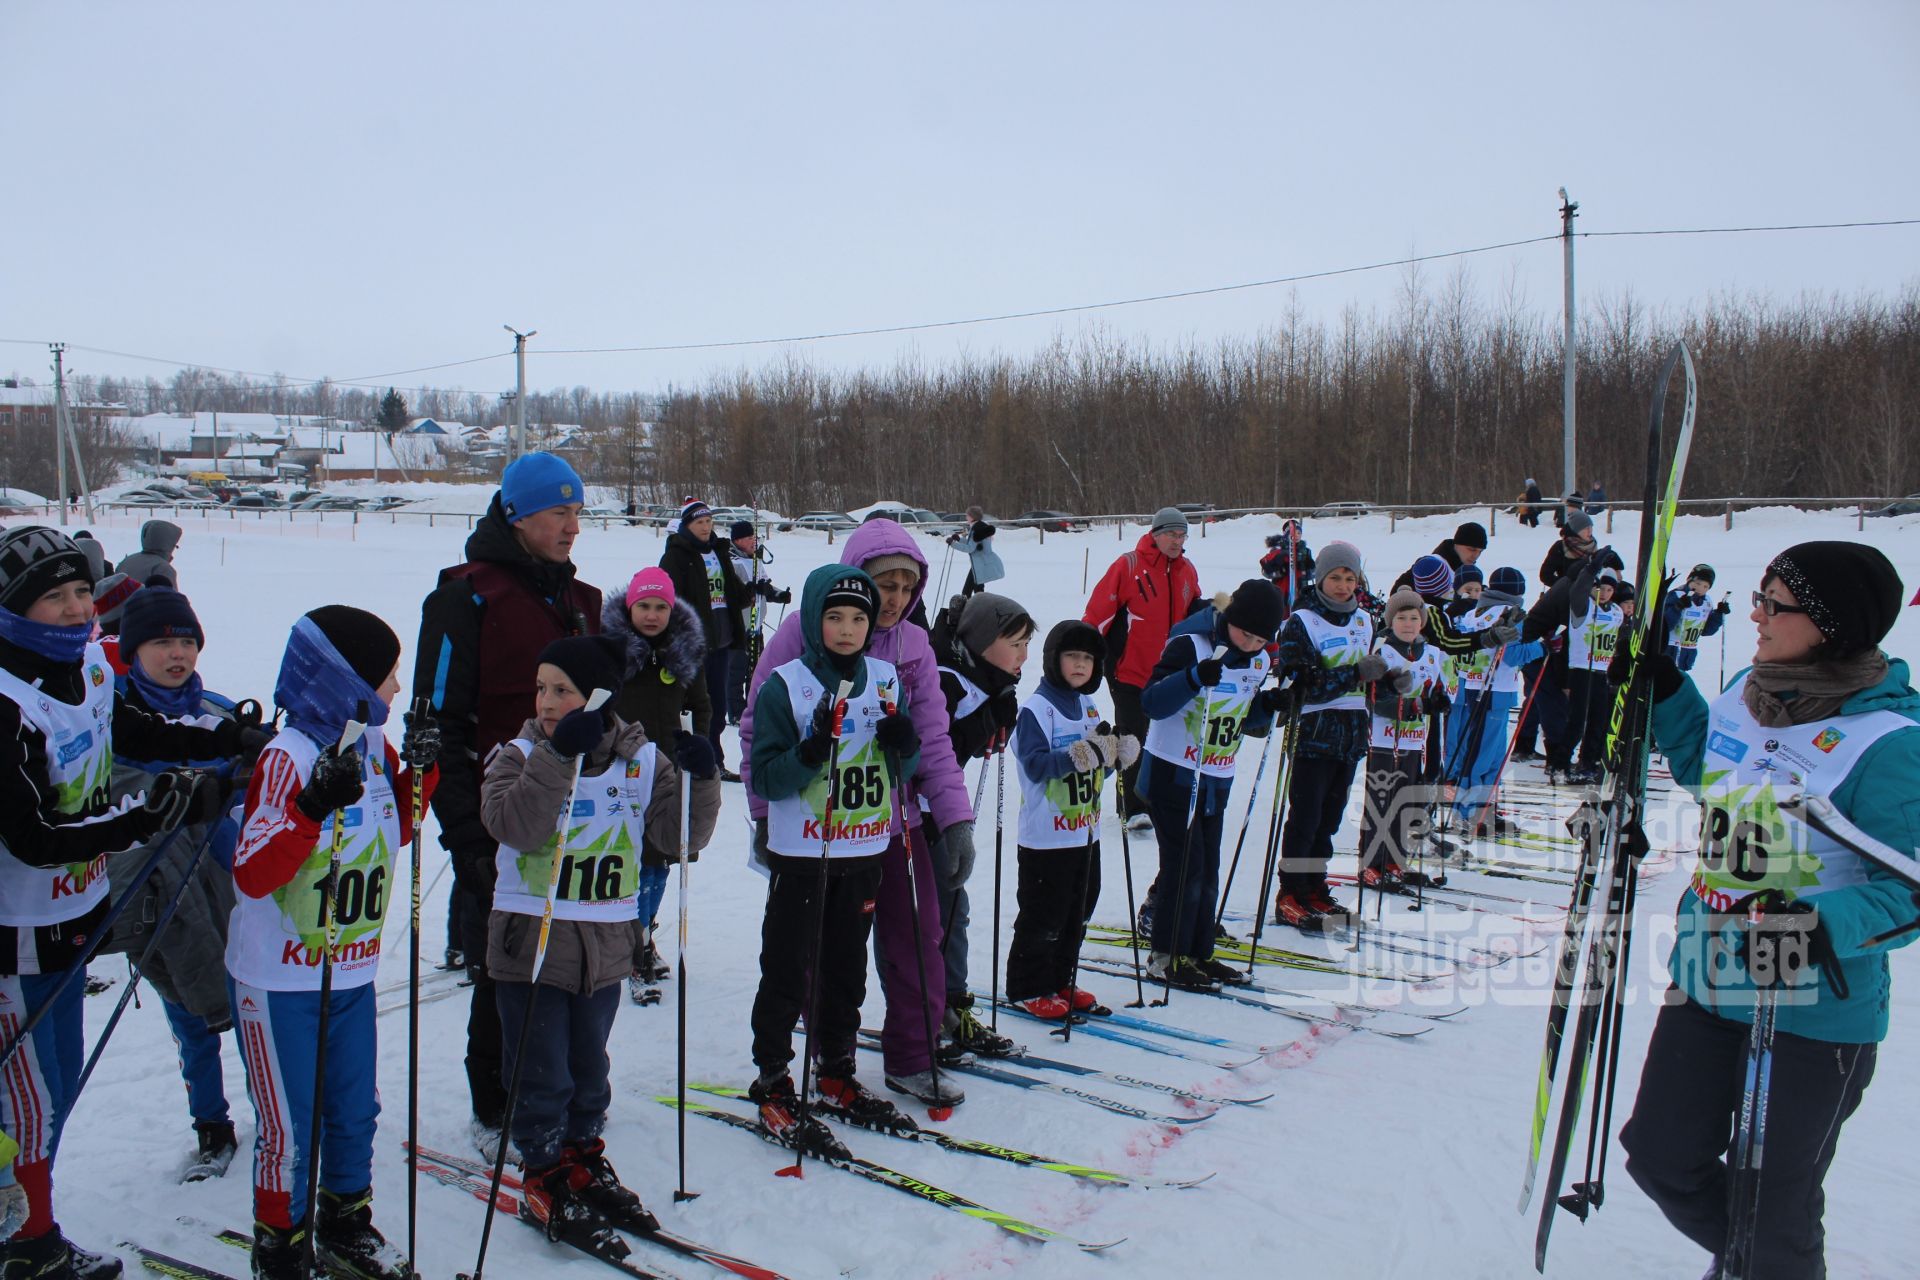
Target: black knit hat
x,y
1257,608
853,589
1850,591
161,613
33,561
1702,571
741,529
591,662
367,643
1072,636
1470,534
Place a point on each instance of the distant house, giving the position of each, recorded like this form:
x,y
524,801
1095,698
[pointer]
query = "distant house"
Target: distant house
x,y
436,427
31,407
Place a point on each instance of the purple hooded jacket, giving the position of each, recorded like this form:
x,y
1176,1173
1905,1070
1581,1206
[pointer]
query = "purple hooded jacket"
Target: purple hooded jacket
x,y
906,646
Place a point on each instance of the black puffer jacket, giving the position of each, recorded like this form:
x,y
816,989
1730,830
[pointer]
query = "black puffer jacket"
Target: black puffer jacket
x,y
685,562
664,674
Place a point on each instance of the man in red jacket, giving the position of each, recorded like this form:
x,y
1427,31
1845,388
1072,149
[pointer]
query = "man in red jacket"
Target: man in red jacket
x,y
1141,597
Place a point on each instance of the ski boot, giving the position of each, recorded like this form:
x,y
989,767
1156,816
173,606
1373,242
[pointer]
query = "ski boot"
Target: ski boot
x,y
1298,911
218,1145
934,1090
556,1195
1140,822
838,1093
1385,879
639,991
1224,974
1084,1001
962,1033
650,965
603,1190
1052,1008
455,958
345,1242
1332,911
1181,972
83,1264
1143,922
781,1116
279,1253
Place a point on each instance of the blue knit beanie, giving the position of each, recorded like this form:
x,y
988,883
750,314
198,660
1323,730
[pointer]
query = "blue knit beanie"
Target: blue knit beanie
x,y
1508,581
157,613
534,482
1432,575
1467,573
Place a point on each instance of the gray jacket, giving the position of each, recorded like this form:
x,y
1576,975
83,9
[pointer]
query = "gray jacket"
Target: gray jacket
x,y
154,559
520,803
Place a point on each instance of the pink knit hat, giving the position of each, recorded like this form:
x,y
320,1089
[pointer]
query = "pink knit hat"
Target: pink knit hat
x,y
650,582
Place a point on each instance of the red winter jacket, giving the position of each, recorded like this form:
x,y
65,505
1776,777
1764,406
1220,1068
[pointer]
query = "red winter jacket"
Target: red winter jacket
x,y
1154,594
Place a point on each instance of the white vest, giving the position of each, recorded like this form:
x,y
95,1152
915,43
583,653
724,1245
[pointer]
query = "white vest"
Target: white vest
x,y
1178,739
716,579
861,798
276,942
1590,643
1691,624
1338,646
1746,843
1057,813
600,874
1473,669
972,696
80,769
1407,735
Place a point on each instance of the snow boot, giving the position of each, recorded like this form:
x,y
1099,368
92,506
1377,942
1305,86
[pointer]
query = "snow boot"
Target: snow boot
x,y
934,1091
218,1145
346,1243
639,989
781,1115
962,1033
604,1192
1052,1008
279,1253
838,1093
487,1139
555,1194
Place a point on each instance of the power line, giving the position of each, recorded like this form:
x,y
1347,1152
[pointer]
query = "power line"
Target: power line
x,y
1724,231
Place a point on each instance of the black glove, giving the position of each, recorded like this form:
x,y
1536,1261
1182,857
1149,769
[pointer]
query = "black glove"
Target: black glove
x,y
694,754
578,732
783,596
420,745
1786,941
1206,672
1436,700
897,735
334,783
182,797
817,747
1275,701
1723,608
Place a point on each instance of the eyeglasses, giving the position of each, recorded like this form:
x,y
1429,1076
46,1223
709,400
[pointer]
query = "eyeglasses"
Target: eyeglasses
x,y
1769,606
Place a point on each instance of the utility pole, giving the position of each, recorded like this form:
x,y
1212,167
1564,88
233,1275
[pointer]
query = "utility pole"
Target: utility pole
x,y
1568,210
60,426
519,448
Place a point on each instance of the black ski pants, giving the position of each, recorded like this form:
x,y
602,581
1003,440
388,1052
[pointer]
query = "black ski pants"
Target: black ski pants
x,y
786,947
484,1051
1681,1133
1316,801
1183,925
1052,920
1130,717
1394,820
1589,709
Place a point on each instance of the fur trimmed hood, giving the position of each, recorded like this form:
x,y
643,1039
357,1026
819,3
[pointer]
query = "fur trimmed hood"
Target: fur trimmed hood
x,y
684,651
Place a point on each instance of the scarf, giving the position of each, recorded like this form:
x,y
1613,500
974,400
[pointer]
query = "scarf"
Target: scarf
x,y
1331,606
174,703
56,644
1786,693
319,691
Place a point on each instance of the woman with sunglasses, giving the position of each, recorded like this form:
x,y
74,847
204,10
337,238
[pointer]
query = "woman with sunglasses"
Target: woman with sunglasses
x,y
1822,711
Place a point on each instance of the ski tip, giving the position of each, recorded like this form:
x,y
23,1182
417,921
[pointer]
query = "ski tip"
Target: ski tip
x,y
1086,1246
939,1114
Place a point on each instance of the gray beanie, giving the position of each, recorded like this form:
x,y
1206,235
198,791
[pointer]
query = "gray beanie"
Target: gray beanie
x,y
1167,519
986,618
1577,523
1338,555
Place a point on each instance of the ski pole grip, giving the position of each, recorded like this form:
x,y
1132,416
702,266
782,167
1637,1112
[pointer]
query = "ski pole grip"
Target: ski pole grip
x,y
840,705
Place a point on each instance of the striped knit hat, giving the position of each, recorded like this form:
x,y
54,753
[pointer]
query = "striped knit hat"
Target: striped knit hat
x,y
1432,576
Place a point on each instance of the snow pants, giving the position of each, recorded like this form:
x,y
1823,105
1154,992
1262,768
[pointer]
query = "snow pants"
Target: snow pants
x,y
717,694
38,1090
565,1086
1682,1128
956,913
279,1036
786,946
1058,889
1316,802
911,1007
1480,769
1393,821
1183,923
199,1049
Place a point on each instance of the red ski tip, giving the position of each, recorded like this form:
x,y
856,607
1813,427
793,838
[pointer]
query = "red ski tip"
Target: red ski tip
x,y
940,1113
788,1171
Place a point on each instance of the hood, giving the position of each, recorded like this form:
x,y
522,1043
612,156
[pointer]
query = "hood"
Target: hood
x,y
813,608
681,648
492,542
950,651
877,538
1079,637
1149,553
1895,693
159,537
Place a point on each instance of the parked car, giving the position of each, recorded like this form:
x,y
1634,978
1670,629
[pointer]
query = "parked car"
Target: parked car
x,y
821,521
607,514
252,502
1052,521
1907,506
1337,510
1197,512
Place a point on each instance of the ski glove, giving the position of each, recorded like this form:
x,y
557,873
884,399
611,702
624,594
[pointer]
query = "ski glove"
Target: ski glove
x,y
817,746
1436,700
959,848
1723,608
1500,633
694,754
1276,702
578,732
1402,682
13,1207
420,745
897,735
1085,756
1206,672
182,797
1370,668
334,783
783,596
1787,940
1665,677
1129,750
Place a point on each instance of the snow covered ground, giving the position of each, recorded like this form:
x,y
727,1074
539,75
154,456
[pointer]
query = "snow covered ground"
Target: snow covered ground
x,y
1375,1157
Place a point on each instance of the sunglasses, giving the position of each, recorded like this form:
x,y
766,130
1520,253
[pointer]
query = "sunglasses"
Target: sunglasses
x,y
1768,605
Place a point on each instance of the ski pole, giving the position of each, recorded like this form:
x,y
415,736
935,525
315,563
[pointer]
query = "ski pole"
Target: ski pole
x,y
1723,644
819,926
1493,788
1139,1000
935,1111
595,700
1186,856
999,843
1233,867
422,709
330,936
1274,828
680,1193
1079,922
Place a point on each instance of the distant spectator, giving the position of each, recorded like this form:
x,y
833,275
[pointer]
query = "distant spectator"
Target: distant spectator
x,y
975,542
154,559
1596,499
1530,504
1568,505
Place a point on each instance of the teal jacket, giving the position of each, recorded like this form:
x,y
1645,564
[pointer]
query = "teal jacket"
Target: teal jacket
x,y
1882,797
777,769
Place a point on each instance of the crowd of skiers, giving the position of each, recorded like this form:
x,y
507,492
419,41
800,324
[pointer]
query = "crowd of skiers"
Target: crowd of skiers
x,y
570,747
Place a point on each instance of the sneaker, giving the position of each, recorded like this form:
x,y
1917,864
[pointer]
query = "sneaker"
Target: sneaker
x,y
781,1115
1180,971
345,1242
967,1034
279,1253
1224,974
933,1089
1140,822
603,1190
1052,1008
218,1145
555,1194
486,1140
837,1091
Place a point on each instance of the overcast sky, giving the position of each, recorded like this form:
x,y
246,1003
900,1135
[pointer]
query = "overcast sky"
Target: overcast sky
x,y
348,189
